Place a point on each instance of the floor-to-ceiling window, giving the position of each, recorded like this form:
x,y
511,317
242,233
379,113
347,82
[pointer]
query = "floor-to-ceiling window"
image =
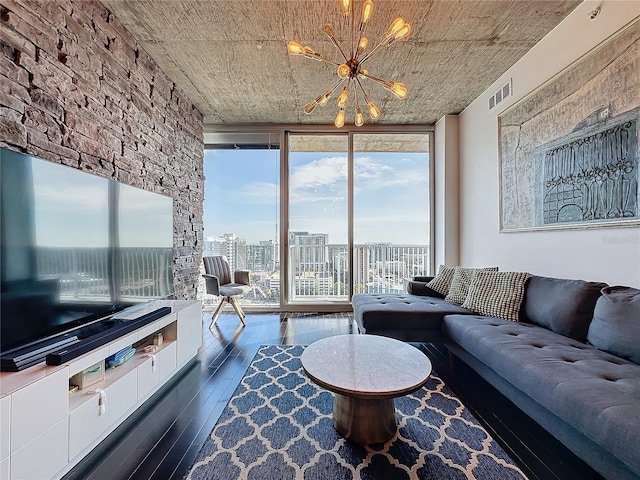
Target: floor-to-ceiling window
x,y
241,216
391,214
335,212
318,209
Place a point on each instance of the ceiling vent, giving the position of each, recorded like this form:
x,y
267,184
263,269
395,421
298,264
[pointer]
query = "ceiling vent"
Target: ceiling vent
x,y
501,94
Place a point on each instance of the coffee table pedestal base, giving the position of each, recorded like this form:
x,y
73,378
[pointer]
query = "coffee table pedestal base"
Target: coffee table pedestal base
x,y
364,421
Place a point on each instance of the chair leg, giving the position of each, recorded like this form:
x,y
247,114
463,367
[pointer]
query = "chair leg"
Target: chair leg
x,y
236,306
214,317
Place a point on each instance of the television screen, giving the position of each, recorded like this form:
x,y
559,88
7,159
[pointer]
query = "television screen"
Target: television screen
x,y
75,247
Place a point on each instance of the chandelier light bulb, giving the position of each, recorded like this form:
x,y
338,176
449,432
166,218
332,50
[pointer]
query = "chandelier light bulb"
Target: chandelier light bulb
x,y
367,11
324,98
374,111
396,25
343,70
344,97
328,30
339,118
309,107
398,89
346,9
294,48
359,117
362,44
403,32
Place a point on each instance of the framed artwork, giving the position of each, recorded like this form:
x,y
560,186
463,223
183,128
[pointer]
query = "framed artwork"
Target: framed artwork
x,y
568,151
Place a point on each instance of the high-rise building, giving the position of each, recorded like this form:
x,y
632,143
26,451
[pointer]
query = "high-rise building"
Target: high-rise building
x,y
309,251
231,246
261,257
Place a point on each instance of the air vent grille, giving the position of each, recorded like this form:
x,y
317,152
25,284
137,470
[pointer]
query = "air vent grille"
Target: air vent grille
x,y
501,94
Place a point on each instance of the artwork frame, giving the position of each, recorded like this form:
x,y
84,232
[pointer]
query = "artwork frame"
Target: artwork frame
x,y
568,152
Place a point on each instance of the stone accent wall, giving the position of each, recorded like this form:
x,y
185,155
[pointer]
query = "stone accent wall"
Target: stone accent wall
x,y
77,89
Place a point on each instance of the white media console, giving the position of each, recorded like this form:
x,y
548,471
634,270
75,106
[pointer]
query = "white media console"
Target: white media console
x,y
45,430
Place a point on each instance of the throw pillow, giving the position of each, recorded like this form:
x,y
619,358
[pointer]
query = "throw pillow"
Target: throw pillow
x,y
496,294
442,280
460,283
615,327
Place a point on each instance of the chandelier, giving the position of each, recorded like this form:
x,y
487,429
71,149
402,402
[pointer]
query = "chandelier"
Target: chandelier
x,y
351,71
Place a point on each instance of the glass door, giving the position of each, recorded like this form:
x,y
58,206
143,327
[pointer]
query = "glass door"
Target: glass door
x,y
391,210
318,219
241,218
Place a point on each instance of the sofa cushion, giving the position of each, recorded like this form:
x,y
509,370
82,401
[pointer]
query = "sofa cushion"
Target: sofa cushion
x,y
563,306
496,294
616,322
442,280
595,392
460,283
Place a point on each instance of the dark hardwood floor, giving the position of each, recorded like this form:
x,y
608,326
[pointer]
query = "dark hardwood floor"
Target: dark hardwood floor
x,y
161,440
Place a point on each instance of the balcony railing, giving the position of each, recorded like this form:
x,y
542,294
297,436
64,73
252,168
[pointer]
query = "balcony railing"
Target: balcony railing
x,y
320,273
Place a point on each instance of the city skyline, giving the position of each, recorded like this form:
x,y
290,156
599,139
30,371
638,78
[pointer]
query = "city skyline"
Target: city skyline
x,y
319,270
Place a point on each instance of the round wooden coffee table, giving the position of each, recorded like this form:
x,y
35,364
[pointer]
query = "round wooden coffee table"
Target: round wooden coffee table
x,y
366,372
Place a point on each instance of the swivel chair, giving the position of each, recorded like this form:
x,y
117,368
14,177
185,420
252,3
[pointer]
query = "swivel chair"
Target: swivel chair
x,y
219,282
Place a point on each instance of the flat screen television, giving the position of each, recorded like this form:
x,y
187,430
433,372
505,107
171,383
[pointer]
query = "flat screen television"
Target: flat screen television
x,y
75,249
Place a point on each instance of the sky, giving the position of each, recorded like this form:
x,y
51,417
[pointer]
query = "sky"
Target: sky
x,y
391,202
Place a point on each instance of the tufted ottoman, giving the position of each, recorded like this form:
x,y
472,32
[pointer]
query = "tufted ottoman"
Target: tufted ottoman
x,y
406,317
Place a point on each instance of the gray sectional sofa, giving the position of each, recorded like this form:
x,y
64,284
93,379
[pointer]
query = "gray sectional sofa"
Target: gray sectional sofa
x,y
547,363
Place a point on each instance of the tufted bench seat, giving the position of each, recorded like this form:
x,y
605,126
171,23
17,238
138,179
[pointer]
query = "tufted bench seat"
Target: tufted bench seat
x,y
582,395
406,317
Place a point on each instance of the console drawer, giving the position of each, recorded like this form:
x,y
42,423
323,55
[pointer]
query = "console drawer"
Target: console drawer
x,y
86,424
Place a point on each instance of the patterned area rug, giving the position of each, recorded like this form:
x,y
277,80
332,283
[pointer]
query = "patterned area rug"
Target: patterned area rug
x,y
278,425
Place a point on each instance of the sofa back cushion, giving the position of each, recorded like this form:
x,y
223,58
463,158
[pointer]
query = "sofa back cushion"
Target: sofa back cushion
x,y
421,288
616,323
563,306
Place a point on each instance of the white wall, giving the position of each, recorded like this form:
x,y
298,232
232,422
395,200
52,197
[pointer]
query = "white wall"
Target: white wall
x,y
611,255
446,181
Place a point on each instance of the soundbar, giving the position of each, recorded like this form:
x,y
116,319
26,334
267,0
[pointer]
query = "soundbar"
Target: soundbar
x,y
17,360
90,343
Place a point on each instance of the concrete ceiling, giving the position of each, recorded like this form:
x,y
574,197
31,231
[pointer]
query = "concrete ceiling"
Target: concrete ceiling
x,y
230,56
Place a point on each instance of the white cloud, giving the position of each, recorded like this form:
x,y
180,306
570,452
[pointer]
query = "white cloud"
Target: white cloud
x,y
376,174
325,179
262,193
320,172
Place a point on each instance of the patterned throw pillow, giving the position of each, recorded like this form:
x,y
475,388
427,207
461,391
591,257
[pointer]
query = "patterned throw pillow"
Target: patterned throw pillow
x,y
442,281
460,283
496,294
